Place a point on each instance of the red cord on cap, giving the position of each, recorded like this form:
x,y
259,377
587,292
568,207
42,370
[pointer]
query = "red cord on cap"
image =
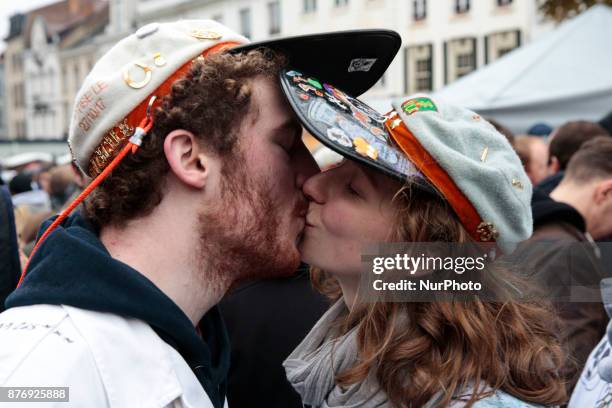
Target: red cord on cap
x,y
132,146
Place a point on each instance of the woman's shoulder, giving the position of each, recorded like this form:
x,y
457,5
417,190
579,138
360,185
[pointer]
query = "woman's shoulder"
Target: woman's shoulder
x,y
501,399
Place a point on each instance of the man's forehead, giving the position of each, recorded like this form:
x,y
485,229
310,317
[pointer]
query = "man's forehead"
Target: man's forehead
x,y
268,102
272,110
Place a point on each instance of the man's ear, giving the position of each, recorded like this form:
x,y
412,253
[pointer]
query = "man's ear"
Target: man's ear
x,y
553,165
187,160
603,191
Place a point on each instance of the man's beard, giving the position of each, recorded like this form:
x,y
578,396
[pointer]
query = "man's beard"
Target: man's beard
x,y
240,237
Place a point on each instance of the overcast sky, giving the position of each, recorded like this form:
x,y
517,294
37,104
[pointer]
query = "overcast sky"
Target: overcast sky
x,y
10,7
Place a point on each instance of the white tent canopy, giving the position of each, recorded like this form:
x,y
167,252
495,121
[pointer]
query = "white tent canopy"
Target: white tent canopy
x,y
566,75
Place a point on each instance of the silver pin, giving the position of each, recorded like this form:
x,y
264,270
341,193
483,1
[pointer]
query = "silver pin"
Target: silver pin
x,y
484,154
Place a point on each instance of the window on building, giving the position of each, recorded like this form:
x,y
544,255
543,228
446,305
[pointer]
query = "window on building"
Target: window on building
x,y
310,6
19,96
503,2
245,22
218,18
419,9
17,63
423,75
20,129
340,3
462,6
77,77
15,102
503,51
274,17
465,64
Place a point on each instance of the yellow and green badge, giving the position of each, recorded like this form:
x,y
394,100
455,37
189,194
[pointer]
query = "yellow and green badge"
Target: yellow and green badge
x,y
418,105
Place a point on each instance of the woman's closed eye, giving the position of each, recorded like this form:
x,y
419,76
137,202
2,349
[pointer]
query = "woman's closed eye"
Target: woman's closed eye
x,y
352,190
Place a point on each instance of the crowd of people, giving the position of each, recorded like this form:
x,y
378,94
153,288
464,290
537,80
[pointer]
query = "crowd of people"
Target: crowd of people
x,y
211,262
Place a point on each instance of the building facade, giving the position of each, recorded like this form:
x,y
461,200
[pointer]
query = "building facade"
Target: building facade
x,y
14,78
42,78
49,54
3,124
442,40
40,59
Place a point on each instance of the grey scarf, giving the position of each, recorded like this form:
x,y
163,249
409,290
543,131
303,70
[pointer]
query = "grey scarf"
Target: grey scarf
x,y
312,367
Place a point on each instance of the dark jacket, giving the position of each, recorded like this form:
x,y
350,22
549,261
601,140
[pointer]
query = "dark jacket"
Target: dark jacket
x,y
562,257
266,320
546,186
9,248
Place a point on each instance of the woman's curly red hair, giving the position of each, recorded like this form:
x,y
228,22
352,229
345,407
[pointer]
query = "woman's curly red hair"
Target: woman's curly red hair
x,y
445,349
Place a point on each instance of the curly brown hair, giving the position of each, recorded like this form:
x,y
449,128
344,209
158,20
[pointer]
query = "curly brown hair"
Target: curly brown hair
x,y
210,101
439,350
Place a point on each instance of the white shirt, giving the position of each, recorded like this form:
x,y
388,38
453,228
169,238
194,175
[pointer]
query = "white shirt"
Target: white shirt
x,y
106,360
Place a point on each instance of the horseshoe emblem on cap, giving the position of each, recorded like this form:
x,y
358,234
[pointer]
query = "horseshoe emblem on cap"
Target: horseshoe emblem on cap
x,y
137,85
159,60
205,35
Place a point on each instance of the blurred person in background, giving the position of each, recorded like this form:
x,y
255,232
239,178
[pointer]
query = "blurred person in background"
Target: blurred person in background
x,y
26,191
503,130
594,388
32,205
606,123
563,143
562,251
10,262
62,185
533,152
540,130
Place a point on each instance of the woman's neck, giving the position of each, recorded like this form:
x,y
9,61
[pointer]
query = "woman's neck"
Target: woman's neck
x,y
350,288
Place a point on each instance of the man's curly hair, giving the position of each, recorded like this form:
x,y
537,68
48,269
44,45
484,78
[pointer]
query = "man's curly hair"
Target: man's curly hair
x,y
211,101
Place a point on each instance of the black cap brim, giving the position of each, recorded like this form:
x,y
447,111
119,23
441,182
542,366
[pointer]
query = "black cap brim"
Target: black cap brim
x,y
345,124
351,60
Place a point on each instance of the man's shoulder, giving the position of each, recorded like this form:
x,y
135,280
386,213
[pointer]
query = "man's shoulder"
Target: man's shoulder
x,y
102,357
41,346
501,399
110,359
595,384
29,330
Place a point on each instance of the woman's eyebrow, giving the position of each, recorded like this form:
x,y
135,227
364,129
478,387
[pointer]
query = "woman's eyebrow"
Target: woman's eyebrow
x,y
371,179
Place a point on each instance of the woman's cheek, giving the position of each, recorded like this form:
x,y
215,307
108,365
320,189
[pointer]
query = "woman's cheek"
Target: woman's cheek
x,y
338,221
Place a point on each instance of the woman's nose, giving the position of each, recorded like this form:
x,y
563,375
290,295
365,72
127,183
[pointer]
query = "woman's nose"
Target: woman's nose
x,y
314,188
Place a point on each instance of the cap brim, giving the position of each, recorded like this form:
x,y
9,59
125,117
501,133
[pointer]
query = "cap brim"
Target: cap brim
x,y
351,60
345,124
